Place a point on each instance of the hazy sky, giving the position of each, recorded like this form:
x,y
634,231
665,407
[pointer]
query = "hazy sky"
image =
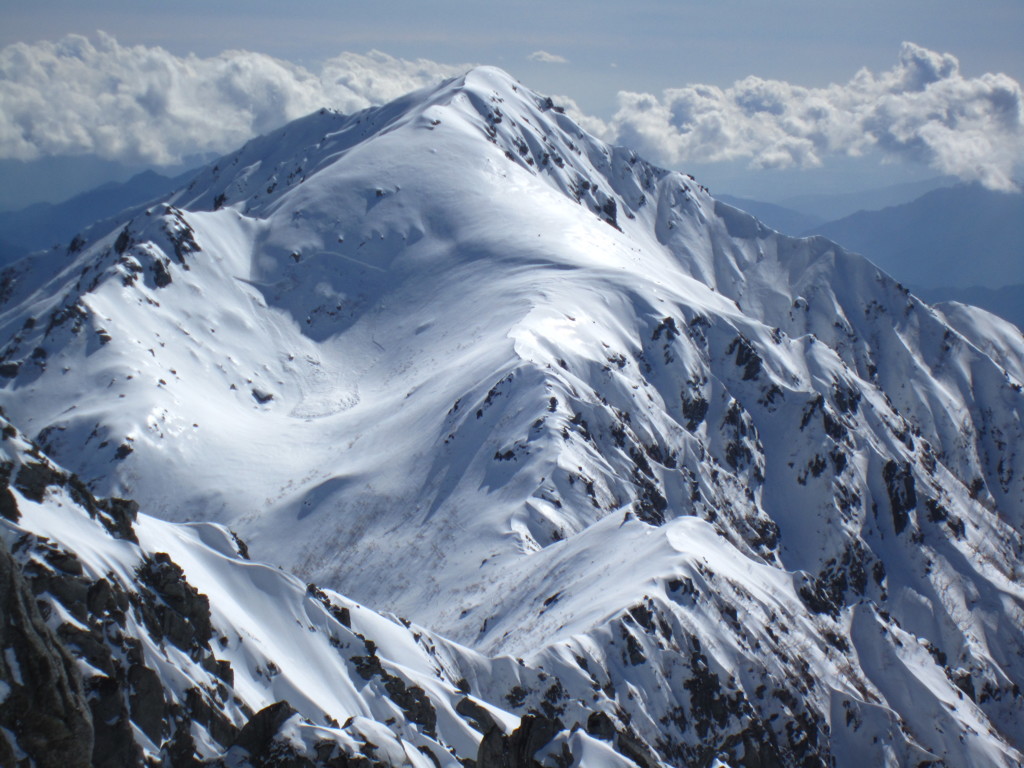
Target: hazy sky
x,y
629,70
609,46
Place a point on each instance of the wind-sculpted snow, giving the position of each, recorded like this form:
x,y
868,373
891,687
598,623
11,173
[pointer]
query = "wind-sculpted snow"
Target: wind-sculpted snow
x,y
465,363
185,647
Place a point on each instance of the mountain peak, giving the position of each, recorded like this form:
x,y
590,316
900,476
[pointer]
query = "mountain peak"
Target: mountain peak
x,y
484,104
486,78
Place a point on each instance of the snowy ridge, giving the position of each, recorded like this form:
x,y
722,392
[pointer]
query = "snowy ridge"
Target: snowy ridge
x,y
181,608
464,363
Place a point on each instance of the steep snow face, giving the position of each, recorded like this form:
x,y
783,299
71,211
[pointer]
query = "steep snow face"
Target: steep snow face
x,y
466,363
182,648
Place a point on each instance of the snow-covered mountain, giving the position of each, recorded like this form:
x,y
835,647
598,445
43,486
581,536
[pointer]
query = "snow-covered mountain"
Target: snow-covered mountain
x,y
133,641
657,474
957,244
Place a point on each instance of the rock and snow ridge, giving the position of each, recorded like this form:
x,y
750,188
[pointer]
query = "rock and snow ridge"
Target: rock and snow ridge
x,y
141,640
740,495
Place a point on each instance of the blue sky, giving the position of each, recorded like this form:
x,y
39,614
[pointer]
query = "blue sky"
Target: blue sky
x,y
606,49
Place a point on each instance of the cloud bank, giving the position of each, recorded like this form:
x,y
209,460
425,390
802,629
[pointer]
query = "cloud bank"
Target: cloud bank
x,y
139,104
145,105
923,110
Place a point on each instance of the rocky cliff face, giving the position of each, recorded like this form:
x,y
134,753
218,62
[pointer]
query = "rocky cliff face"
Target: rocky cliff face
x,y
672,488
44,707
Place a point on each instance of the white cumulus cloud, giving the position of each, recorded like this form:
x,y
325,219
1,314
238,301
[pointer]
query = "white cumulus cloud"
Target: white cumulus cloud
x,y
922,109
547,58
144,104
141,104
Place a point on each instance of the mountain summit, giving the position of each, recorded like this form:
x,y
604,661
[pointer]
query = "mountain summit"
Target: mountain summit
x,y
738,496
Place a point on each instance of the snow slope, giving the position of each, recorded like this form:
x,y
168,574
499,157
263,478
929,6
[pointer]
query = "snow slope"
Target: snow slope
x,y
462,362
180,640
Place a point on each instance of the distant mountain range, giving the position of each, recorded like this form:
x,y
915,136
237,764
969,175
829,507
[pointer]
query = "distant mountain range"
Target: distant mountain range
x,y
965,236
54,179
778,217
837,205
43,225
